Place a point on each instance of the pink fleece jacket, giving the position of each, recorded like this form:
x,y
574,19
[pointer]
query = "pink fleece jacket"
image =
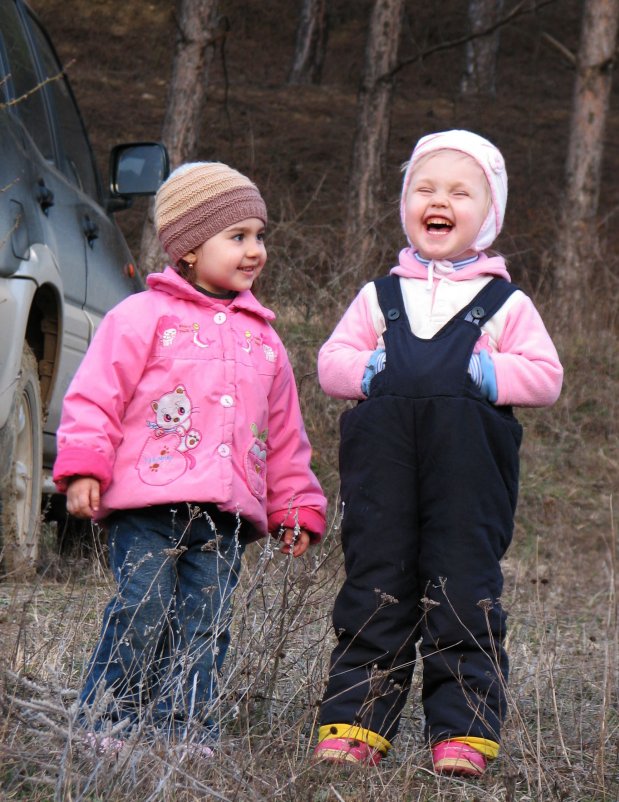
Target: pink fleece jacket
x,y
182,397
528,370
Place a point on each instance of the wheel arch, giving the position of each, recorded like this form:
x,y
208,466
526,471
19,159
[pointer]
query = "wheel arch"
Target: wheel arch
x,y
44,336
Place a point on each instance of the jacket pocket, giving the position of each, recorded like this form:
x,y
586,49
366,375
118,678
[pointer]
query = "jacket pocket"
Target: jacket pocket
x,y
256,466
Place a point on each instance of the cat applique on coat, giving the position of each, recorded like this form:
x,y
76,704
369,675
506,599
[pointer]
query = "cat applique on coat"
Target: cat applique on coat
x,y
166,455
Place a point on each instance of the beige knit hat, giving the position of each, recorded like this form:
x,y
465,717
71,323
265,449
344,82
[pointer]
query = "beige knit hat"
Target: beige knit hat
x,y
200,199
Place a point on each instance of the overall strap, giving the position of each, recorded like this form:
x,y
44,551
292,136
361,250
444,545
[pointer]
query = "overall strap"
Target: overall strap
x,y
487,302
479,310
389,295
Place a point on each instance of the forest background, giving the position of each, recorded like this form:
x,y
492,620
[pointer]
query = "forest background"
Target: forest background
x,y
296,141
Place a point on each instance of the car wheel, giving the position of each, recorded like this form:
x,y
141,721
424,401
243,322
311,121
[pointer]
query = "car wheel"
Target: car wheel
x,y
75,536
20,494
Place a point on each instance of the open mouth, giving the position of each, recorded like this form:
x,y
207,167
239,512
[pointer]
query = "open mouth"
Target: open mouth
x,y
438,224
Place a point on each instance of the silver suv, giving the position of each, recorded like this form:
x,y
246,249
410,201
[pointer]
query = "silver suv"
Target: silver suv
x,y
63,261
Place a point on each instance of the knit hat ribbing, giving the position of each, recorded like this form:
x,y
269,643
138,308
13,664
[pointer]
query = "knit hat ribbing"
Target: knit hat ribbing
x,y
487,156
200,199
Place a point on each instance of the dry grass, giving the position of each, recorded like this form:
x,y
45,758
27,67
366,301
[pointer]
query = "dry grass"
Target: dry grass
x,y
561,739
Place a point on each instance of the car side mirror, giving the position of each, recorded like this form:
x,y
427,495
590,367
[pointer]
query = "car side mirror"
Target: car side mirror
x,y
137,168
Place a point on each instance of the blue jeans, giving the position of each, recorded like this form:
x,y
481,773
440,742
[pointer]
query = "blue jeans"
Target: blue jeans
x,y
165,633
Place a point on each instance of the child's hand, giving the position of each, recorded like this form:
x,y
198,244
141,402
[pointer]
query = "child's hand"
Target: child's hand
x,y
376,363
298,544
83,496
481,370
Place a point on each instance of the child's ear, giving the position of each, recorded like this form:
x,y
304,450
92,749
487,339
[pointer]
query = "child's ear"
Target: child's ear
x,y
190,258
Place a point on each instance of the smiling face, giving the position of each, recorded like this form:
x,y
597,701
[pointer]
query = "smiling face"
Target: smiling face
x,y
230,260
446,205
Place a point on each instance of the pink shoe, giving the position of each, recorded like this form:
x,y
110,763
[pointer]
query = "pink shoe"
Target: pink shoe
x,y
458,758
196,751
346,750
104,745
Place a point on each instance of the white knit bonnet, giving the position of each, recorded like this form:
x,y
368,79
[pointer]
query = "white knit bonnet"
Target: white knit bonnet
x,y
489,159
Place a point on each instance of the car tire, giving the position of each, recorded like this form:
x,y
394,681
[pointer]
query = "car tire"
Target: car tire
x,y
75,536
20,493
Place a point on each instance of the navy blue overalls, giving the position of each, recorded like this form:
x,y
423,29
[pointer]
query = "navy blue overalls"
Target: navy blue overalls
x,y
429,483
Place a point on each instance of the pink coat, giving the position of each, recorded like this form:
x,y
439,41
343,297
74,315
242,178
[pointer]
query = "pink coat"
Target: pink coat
x,y
182,397
527,366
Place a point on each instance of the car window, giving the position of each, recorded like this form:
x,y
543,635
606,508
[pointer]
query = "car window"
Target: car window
x,y
21,81
77,161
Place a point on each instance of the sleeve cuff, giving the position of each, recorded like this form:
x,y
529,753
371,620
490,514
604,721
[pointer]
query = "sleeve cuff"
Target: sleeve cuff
x,y
81,462
310,520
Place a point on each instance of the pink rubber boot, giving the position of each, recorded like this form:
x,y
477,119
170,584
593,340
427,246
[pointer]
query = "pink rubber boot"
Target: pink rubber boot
x,y
346,750
458,758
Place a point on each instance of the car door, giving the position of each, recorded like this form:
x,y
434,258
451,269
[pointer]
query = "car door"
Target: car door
x,y
54,229
110,275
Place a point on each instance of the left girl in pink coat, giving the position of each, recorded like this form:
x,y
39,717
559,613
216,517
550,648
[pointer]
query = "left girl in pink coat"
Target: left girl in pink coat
x,y
182,433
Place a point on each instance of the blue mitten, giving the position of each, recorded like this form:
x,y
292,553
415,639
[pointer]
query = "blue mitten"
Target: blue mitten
x,y
375,364
481,370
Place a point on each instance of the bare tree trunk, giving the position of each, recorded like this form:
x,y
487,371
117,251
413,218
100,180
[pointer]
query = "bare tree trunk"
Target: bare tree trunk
x,y
195,33
577,242
311,44
479,76
373,124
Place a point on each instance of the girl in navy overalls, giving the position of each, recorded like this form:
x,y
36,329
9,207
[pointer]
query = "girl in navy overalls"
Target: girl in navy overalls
x,y
437,353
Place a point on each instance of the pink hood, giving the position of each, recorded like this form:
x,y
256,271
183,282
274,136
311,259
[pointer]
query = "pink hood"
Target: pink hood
x,y
410,267
171,283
